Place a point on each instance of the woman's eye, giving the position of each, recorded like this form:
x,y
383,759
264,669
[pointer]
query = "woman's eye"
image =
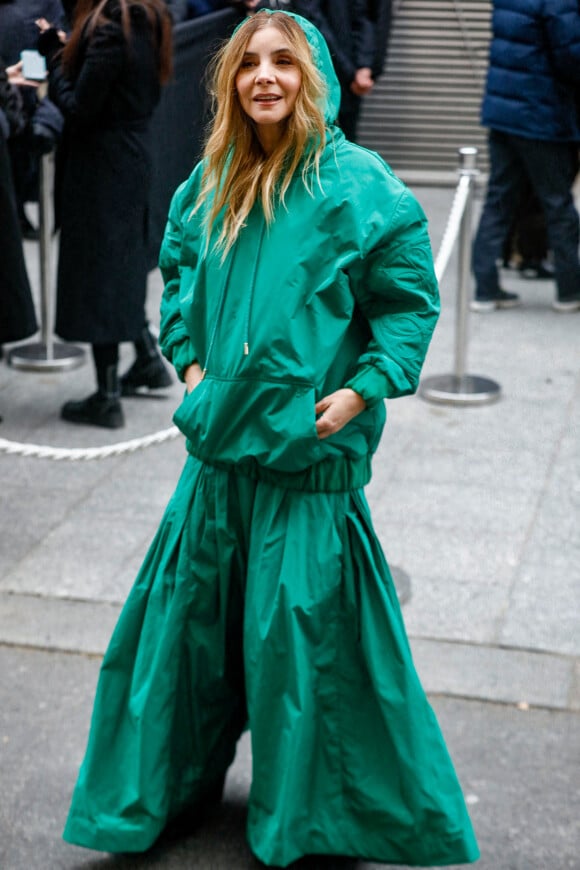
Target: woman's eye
x,y
285,61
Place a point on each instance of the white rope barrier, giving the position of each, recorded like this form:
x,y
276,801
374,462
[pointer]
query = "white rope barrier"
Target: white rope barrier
x,y
453,223
77,454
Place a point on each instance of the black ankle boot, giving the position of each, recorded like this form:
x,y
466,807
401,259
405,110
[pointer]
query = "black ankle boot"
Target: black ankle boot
x,y
148,371
95,410
102,408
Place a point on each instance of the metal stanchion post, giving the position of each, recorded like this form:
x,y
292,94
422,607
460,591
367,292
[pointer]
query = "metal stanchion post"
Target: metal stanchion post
x,y
46,355
402,584
460,388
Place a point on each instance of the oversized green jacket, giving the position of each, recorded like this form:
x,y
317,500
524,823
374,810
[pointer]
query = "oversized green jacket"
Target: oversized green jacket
x,y
339,291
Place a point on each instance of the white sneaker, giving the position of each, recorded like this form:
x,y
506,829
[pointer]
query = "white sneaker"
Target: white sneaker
x,y
500,299
482,305
564,306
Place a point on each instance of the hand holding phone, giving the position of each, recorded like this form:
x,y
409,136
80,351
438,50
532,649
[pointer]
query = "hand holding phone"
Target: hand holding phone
x,y
16,77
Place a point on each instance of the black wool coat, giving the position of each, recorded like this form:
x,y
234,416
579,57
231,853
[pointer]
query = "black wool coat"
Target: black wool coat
x,y
17,314
104,178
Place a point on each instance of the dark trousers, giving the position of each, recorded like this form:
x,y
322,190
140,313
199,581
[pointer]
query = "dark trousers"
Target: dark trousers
x,y
552,168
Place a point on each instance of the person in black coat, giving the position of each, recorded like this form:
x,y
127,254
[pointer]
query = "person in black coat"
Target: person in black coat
x,y
17,315
18,31
357,33
107,82
12,31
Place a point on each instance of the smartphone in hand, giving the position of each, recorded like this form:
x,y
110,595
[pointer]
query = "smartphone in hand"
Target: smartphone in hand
x,y
33,66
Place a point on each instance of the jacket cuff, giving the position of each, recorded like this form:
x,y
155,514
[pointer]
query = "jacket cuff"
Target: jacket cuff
x,y
182,356
370,383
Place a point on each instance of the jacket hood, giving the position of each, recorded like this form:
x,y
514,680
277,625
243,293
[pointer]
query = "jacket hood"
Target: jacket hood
x,y
322,59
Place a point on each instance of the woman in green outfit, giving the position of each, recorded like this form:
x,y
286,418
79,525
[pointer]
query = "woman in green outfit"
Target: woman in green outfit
x,y
299,294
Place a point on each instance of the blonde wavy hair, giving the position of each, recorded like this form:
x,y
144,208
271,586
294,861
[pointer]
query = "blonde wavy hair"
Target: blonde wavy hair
x,y
237,170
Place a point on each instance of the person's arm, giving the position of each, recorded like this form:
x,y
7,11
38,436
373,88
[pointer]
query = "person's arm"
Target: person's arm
x,y
174,338
381,19
13,115
105,58
562,31
397,293
372,29
364,34
313,11
396,290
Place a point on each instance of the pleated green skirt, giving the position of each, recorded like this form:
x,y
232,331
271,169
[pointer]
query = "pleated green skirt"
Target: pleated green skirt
x,y
271,609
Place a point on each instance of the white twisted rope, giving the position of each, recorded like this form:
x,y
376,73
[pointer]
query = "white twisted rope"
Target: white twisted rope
x,y
77,454
453,224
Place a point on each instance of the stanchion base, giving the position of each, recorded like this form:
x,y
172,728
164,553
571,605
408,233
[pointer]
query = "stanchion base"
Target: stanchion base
x,y
35,357
454,390
402,583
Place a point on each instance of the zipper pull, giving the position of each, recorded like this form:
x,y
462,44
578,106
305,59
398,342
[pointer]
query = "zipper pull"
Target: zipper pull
x,y
202,375
246,348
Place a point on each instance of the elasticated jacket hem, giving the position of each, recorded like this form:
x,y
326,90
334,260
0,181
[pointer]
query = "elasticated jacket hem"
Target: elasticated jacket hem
x,y
330,475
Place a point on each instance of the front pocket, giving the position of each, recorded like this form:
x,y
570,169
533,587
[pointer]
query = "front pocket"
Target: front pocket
x,y
271,422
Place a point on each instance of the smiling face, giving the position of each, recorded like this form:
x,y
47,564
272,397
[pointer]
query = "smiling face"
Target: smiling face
x,y
268,83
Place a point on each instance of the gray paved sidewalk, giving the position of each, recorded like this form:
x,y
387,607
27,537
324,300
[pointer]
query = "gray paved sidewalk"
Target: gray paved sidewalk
x,y
518,769
480,506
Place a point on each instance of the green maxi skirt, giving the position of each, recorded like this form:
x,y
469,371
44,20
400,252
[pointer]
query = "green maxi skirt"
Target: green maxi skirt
x,y
272,609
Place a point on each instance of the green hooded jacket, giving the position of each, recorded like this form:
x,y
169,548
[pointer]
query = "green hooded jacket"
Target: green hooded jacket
x,y
339,291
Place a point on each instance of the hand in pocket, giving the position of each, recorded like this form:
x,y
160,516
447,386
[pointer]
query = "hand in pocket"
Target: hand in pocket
x,y
336,410
193,376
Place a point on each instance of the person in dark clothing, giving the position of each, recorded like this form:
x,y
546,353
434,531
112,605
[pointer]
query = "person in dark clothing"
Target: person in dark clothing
x,y
107,82
17,315
18,31
178,10
197,8
12,31
357,33
14,36
529,106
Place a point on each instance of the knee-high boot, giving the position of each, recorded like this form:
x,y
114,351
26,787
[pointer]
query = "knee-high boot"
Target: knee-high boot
x,y
148,371
102,408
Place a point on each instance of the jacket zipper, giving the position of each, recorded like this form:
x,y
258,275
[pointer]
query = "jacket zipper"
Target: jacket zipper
x,y
246,331
246,327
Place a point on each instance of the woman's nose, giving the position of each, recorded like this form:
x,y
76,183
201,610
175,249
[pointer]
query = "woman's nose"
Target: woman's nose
x,y
264,73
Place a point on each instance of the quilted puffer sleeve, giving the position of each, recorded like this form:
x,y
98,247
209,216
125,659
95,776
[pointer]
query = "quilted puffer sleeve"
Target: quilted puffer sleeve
x,y
174,260
562,33
396,290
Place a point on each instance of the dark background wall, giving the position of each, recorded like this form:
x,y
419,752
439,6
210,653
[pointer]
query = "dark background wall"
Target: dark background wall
x,y
178,126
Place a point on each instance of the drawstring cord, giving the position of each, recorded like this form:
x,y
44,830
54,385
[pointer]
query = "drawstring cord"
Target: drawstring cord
x,y
246,327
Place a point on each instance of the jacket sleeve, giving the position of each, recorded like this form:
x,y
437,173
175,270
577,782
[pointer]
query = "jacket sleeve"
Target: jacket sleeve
x,y
86,96
381,21
397,293
174,338
562,30
365,47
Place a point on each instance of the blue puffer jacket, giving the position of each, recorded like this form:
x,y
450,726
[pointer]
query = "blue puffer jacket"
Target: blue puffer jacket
x,y
534,73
